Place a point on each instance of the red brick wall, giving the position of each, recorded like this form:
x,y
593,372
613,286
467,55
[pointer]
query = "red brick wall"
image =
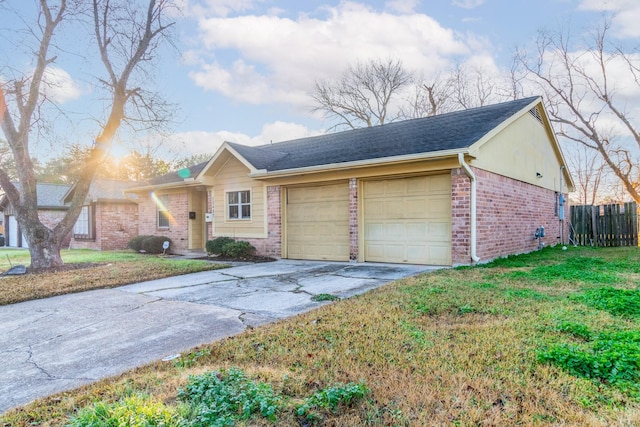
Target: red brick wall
x,y
353,219
460,217
272,245
178,230
508,213
116,224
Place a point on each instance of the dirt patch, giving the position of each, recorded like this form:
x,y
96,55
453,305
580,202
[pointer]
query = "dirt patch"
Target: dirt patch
x,y
64,267
254,258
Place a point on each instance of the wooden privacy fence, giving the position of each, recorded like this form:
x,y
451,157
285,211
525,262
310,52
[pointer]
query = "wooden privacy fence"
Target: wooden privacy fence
x,y
605,225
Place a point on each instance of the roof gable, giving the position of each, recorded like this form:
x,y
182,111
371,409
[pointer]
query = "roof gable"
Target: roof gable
x,y
103,190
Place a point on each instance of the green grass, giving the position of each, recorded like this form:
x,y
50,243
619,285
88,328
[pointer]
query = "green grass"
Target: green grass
x,y
105,269
543,339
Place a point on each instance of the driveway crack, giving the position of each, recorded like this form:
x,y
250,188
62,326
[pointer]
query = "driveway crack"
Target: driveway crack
x,y
36,365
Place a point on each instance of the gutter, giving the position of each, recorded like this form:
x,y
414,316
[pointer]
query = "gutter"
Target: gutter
x,y
433,155
472,178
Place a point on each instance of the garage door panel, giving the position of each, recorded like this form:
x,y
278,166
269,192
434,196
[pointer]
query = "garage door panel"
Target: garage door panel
x,y
415,231
318,222
439,231
408,220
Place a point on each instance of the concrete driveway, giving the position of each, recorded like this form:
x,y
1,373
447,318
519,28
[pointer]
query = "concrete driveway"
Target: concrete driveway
x,y
59,343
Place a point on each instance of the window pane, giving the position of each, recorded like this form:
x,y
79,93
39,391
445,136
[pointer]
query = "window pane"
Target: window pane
x,y
245,197
233,198
246,211
233,211
163,219
82,223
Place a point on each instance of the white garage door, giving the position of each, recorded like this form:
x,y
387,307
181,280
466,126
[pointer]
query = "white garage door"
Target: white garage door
x,y
13,234
318,222
408,220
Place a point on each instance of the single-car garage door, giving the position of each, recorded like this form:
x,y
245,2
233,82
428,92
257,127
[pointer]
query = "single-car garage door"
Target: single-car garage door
x,y
318,222
408,220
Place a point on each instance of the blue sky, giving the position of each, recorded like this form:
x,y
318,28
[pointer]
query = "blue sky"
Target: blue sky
x,y
244,69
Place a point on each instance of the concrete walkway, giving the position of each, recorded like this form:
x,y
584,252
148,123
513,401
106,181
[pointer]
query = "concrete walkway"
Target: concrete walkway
x,y
59,343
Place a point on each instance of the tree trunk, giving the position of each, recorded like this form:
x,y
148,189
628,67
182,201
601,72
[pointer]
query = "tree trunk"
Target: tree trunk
x,y
44,247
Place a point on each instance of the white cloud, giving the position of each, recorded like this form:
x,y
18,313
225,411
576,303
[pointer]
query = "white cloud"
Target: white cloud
x,y
217,7
277,59
467,4
402,6
58,85
202,142
626,15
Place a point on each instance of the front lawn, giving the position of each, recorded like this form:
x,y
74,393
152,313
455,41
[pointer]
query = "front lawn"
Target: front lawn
x,y
544,339
106,269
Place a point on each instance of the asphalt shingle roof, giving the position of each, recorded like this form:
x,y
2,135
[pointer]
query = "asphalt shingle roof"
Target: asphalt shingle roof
x,y
179,176
449,131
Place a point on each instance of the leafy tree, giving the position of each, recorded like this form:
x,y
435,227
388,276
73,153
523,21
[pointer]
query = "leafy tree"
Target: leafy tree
x,y
194,159
126,38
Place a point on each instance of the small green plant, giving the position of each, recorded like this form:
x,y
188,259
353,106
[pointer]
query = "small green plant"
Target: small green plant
x,y
575,329
619,302
133,411
188,360
239,249
324,297
331,398
221,398
611,358
215,246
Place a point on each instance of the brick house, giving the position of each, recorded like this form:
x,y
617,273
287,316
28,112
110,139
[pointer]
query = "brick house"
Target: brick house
x,y
108,219
452,189
51,210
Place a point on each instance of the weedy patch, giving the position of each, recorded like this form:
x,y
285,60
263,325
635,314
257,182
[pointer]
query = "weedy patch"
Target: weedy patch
x,y
619,302
132,411
612,358
324,297
222,398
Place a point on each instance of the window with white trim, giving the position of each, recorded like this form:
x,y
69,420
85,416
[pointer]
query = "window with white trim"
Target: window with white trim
x,y
83,228
239,204
163,211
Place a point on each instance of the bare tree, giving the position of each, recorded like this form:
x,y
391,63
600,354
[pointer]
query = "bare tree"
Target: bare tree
x,y
363,95
429,97
473,86
587,87
126,38
588,169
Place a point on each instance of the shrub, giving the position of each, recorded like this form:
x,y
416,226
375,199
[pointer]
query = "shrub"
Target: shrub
x,y
153,244
136,243
215,246
239,249
148,244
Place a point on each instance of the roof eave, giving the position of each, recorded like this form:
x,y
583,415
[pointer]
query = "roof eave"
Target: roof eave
x,y
433,155
189,182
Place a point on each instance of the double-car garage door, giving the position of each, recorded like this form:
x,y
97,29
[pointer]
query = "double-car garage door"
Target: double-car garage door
x,y
404,220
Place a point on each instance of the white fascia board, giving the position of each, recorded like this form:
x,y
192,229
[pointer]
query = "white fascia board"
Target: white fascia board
x,y
434,155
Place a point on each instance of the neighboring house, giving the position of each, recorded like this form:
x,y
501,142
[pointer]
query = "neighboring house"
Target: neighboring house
x,y
108,219
51,210
452,189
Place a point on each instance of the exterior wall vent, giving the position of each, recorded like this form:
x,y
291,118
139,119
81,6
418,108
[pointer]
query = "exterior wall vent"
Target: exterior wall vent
x,y
535,113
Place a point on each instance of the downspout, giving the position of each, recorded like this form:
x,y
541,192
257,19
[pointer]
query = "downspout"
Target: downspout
x,y
472,178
